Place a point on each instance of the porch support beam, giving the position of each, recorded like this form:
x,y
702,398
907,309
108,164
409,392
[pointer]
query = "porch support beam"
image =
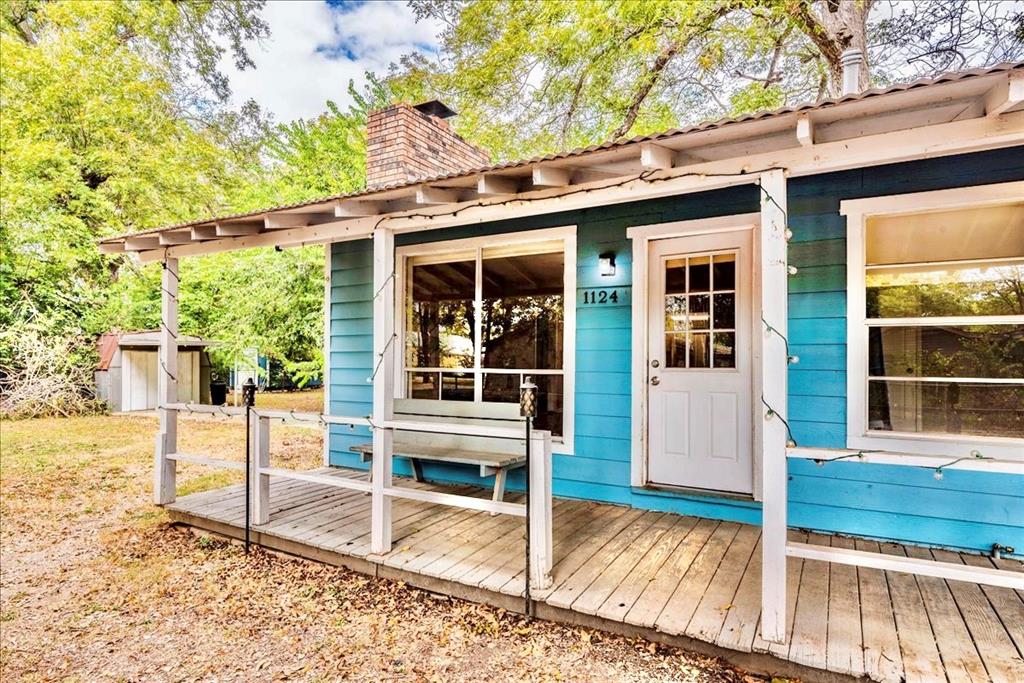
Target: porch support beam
x,y
1006,96
655,157
260,501
773,393
142,242
164,469
383,387
496,185
805,130
175,237
356,209
540,510
547,176
436,195
237,229
283,221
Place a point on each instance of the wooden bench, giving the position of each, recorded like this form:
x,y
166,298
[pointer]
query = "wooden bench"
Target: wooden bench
x,y
491,454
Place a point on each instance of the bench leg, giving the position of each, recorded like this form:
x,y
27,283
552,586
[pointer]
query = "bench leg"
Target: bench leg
x,y
417,469
499,487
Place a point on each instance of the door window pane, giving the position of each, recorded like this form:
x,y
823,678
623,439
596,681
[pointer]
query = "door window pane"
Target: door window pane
x,y
724,350
725,311
724,271
700,311
675,350
697,311
700,273
440,320
700,351
675,276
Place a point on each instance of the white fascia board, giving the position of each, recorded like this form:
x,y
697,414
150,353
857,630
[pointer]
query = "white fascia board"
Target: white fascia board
x,y
937,140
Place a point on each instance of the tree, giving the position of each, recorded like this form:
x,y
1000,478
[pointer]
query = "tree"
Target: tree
x,y
111,122
532,77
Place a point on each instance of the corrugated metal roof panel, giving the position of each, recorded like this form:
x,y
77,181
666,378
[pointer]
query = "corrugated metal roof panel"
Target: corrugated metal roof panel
x,y
612,144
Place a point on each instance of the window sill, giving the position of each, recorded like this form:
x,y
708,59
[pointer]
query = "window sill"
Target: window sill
x,y
954,446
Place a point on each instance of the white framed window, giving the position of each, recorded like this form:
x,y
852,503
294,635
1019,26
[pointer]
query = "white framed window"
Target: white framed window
x,y
476,316
935,322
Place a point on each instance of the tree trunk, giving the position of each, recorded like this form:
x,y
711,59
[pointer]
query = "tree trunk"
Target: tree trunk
x,y
848,28
835,26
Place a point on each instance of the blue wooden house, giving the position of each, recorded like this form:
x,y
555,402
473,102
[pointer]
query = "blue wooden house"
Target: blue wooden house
x,y
808,319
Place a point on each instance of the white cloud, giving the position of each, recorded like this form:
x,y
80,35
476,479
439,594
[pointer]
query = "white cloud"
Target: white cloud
x,y
314,49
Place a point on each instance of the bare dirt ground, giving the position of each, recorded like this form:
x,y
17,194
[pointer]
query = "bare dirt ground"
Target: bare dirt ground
x,y
96,585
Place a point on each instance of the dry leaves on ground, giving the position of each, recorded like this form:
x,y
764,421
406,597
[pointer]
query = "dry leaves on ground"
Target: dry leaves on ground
x,y
97,586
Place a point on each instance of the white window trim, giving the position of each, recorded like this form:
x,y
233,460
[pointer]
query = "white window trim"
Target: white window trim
x,y
567,235
857,211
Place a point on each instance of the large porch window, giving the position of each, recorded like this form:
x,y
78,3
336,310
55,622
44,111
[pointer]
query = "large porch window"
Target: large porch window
x,y
480,316
942,324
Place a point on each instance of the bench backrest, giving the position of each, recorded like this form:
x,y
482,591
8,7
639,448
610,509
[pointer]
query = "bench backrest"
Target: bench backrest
x,y
502,415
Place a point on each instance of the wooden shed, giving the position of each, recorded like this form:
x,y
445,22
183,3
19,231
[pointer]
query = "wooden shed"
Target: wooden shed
x,y
127,374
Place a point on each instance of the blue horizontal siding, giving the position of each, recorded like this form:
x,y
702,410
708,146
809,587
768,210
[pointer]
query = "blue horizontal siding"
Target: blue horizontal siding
x,y
968,510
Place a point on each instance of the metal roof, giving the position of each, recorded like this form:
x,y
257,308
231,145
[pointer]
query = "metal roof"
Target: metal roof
x,y
826,103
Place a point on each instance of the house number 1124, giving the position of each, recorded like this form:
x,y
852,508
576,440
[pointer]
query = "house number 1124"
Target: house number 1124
x,y
603,295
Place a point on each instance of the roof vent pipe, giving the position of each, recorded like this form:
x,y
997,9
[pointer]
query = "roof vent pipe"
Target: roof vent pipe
x,y
852,61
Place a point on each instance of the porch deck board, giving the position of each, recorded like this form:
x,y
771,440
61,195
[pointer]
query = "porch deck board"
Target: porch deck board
x,y
687,579
882,660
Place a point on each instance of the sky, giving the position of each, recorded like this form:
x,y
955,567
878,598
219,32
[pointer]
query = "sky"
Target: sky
x,y
315,47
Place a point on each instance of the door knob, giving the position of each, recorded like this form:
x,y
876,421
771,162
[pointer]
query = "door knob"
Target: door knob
x,y
655,381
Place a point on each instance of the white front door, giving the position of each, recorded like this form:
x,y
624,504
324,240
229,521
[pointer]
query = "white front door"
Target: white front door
x,y
699,362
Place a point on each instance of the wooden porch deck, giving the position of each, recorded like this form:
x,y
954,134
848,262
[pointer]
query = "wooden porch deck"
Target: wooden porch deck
x,y
686,581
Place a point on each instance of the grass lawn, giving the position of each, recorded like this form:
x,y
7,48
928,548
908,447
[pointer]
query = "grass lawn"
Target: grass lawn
x,y
96,585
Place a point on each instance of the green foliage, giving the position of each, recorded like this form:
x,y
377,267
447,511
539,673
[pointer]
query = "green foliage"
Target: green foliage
x,y
94,141
535,77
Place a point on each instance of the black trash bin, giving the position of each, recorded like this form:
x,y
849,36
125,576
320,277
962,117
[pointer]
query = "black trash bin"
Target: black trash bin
x,y
218,392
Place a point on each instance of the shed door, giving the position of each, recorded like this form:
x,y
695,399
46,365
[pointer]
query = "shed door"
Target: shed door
x,y
138,380
188,376
699,362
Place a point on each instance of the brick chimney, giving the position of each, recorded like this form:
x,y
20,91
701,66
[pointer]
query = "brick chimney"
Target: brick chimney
x,y
406,142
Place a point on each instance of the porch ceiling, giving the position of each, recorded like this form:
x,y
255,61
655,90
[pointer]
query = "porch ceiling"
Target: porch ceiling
x,y
697,150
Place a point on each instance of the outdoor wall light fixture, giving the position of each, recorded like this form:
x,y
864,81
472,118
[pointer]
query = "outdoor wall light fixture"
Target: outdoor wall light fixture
x,y
606,263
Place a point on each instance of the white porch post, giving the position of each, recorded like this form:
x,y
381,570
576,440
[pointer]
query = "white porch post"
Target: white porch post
x,y
540,512
383,386
164,470
260,491
774,370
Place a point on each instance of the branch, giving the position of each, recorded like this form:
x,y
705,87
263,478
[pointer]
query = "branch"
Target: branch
x,y
645,88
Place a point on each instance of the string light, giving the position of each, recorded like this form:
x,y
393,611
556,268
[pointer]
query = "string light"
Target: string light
x,y
380,357
820,462
771,412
